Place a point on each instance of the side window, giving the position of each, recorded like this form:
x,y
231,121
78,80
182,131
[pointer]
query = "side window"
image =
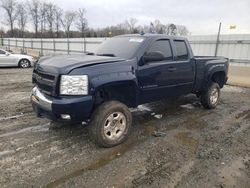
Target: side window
x,y
2,52
162,46
181,49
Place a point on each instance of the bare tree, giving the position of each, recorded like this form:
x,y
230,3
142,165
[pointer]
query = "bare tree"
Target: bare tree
x,y
67,21
50,17
159,27
58,16
22,17
34,12
182,30
10,8
42,13
131,24
82,21
171,29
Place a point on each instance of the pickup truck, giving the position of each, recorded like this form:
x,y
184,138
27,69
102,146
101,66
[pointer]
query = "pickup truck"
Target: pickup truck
x,y
124,72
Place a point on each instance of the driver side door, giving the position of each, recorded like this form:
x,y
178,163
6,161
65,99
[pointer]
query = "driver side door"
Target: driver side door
x,y
152,76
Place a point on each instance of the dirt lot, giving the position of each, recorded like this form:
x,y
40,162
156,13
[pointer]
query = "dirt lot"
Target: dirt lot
x,y
197,147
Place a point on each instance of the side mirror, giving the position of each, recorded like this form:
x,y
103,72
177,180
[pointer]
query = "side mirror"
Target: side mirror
x,y
153,56
7,53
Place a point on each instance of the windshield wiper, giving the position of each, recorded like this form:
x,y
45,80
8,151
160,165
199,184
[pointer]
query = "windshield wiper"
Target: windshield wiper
x,y
109,55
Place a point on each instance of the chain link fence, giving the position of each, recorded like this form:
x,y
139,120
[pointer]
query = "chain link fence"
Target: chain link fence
x,y
45,46
234,47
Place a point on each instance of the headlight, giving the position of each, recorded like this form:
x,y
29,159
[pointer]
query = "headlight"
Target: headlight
x,y
74,85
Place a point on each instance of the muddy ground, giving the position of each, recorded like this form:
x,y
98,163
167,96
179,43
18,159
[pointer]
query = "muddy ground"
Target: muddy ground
x,y
196,147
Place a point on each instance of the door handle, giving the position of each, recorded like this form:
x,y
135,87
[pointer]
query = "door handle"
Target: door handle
x,y
172,69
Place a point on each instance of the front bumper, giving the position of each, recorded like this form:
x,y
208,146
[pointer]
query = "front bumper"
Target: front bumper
x,y
79,108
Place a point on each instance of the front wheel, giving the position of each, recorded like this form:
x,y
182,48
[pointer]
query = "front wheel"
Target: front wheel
x,y
110,124
210,97
24,63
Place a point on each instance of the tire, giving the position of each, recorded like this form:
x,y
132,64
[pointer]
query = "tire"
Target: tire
x,y
210,97
24,63
110,124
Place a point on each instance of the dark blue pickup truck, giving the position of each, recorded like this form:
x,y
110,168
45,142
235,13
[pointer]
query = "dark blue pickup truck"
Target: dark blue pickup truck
x,y
124,72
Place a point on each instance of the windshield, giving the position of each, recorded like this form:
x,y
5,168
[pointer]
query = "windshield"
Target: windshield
x,y
124,47
2,52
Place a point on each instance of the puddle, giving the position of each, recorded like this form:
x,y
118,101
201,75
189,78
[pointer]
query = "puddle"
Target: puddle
x,y
245,115
38,128
170,127
185,139
116,152
194,123
149,129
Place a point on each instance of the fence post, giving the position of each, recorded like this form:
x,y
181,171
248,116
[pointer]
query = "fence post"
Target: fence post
x,y
31,44
16,42
85,45
217,41
8,44
41,47
68,45
54,45
2,43
23,46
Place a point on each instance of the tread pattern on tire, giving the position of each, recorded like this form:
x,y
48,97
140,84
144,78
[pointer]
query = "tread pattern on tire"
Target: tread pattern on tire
x,y
100,114
205,96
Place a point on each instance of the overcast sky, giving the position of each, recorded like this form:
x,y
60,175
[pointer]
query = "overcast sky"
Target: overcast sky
x,y
200,16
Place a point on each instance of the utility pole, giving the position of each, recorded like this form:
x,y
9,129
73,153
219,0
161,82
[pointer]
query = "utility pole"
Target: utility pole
x,y
217,41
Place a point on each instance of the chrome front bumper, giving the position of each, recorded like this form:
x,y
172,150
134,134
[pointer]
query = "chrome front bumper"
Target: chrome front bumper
x,y
39,98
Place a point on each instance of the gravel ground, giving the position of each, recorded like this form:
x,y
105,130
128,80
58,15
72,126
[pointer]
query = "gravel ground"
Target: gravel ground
x,y
174,143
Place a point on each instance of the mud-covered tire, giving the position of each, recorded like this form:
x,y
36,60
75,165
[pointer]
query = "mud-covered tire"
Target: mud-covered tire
x,y
210,97
106,122
24,63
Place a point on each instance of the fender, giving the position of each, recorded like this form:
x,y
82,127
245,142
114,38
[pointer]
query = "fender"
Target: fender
x,y
110,74
212,67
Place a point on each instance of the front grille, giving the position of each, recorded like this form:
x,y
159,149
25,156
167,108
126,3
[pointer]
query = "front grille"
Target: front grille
x,y
45,82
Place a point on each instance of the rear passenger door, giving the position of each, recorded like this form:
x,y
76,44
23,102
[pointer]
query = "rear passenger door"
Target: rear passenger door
x,y
182,76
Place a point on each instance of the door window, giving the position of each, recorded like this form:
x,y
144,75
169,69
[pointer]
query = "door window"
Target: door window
x,y
162,46
181,50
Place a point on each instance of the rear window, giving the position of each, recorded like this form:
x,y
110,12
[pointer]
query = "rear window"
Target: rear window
x,y
181,50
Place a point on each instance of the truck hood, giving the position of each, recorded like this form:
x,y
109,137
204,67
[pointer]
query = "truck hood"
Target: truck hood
x,y
63,64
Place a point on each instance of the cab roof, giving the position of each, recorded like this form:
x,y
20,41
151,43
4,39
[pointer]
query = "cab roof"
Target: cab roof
x,y
153,35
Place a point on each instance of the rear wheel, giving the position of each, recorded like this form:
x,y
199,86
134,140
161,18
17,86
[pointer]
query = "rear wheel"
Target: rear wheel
x,y
110,124
24,63
210,97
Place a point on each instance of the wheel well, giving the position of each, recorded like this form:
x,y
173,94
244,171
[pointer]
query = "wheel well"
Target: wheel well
x,y
219,77
124,92
23,59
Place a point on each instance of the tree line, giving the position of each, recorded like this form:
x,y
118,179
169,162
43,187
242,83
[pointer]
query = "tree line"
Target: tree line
x,y
49,20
